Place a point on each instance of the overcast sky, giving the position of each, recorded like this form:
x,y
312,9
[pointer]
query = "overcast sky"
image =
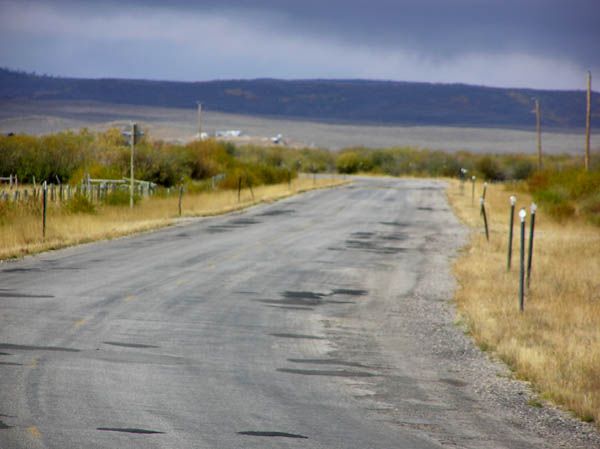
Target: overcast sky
x,y
508,43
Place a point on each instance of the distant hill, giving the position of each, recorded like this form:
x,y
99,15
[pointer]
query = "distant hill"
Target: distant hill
x,y
347,101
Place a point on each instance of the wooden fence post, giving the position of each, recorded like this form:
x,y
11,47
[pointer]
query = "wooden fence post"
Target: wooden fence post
x,y
180,198
485,221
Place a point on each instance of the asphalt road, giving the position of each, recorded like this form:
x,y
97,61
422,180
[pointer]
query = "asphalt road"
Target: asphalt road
x,y
307,323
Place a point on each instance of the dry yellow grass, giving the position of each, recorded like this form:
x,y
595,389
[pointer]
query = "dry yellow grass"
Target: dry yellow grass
x,y
555,343
23,234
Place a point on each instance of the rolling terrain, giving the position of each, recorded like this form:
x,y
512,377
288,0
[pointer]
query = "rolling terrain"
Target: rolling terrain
x,y
337,101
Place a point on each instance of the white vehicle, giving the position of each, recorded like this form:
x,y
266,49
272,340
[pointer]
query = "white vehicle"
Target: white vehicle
x,y
229,133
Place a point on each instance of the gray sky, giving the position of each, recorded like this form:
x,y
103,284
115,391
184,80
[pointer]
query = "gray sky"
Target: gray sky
x,y
517,43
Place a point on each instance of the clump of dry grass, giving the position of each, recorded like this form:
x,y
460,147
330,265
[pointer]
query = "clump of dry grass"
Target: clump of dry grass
x,y
555,343
21,233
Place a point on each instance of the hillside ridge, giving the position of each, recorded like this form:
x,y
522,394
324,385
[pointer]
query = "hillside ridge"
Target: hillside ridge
x,y
334,100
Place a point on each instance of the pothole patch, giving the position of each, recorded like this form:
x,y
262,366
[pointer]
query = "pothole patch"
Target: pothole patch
x,y
302,295
454,382
276,212
129,345
129,430
12,294
261,433
35,348
329,373
301,336
336,362
349,292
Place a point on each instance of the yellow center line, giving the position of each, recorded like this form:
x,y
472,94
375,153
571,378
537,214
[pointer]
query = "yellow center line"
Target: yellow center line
x,y
33,363
34,432
129,298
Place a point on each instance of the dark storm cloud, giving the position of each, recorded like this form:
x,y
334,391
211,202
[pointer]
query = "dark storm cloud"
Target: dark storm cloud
x,y
437,28
533,43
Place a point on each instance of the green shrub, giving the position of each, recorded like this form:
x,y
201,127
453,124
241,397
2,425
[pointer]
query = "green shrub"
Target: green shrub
x,y
520,169
352,162
555,201
568,192
490,169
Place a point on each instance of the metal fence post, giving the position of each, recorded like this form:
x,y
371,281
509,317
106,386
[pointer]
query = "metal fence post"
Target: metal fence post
x,y
513,201
522,215
531,233
473,178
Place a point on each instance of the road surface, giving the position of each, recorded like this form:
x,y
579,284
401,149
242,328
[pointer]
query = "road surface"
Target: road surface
x,y
320,321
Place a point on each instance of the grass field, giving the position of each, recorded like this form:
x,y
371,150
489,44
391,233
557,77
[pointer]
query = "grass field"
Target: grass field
x,y
21,230
555,342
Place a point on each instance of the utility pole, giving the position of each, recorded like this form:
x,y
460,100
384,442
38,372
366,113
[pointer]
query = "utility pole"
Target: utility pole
x,y
538,126
588,120
133,136
199,120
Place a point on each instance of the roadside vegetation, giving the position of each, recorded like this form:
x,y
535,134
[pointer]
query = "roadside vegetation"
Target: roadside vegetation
x,y
563,189
568,193
80,220
555,342
67,157
400,161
